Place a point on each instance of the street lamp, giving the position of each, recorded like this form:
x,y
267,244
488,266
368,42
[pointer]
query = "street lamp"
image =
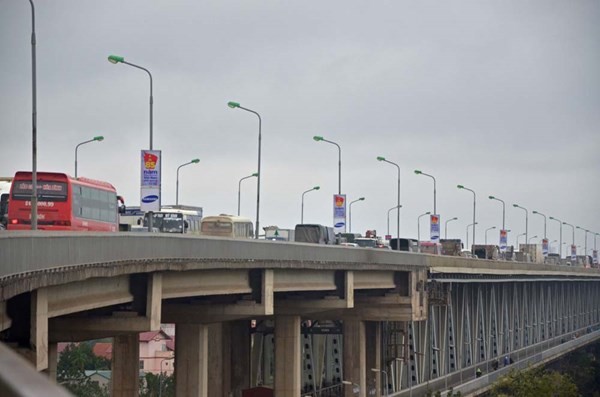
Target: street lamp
x,y
573,240
522,234
380,158
560,223
419,230
419,172
385,377
474,200
585,244
94,139
194,161
350,213
236,105
114,59
446,227
240,188
503,209
302,209
539,213
486,230
526,220
34,198
388,217
531,238
318,138
468,226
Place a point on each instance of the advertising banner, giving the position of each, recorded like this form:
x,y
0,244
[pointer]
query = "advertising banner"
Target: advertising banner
x,y
434,223
573,254
339,213
150,180
503,240
545,247
595,257
150,199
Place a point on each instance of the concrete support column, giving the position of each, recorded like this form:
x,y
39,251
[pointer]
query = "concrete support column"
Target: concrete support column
x,y
191,360
218,367
287,356
373,354
52,361
38,337
125,366
236,353
355,359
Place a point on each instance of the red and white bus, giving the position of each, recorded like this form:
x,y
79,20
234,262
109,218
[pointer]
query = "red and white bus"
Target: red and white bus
x,y
64,203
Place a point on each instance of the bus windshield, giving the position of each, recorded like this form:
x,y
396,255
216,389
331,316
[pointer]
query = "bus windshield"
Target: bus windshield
x,y
167,222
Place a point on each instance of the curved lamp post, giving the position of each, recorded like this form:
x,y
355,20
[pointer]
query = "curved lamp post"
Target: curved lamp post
x,y
539,213
573,239
318,138
486,230
236,105
94,139
468,226
419,172
240,189
355,386
526,220
302,209
519,235
380,158
388,217
560,223
474,222
531,238
350,213
419,230
194,161
114,59
446,227
585,237
34,195
503,209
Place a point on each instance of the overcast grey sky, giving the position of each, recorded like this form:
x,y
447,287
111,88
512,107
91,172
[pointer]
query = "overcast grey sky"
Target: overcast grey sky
x,y
500,96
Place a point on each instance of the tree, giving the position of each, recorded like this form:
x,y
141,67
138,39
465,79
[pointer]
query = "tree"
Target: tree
x,y
151,385
71,367
534,382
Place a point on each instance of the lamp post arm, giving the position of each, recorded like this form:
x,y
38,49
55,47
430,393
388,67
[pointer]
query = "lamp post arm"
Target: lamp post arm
x,y
339,164
76,148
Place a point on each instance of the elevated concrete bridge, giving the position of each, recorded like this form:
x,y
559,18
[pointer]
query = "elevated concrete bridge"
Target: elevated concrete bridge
x,y
419,319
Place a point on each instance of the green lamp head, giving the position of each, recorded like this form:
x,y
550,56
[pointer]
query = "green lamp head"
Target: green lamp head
x,y
380,158
255,174
316,187
195,161
233,105
460,186
318,138
361,199
98,138
115,59
492,197
418,172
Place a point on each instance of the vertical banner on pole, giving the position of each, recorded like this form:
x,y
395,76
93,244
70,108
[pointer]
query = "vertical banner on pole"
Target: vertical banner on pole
x,y
503,240
434,223
545,247
573,254
595,257
339,213
150,181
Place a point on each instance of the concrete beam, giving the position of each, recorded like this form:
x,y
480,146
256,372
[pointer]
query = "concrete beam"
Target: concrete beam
x,y
205,282
354,362
118,323
87,295
287,280
374,280
212,313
